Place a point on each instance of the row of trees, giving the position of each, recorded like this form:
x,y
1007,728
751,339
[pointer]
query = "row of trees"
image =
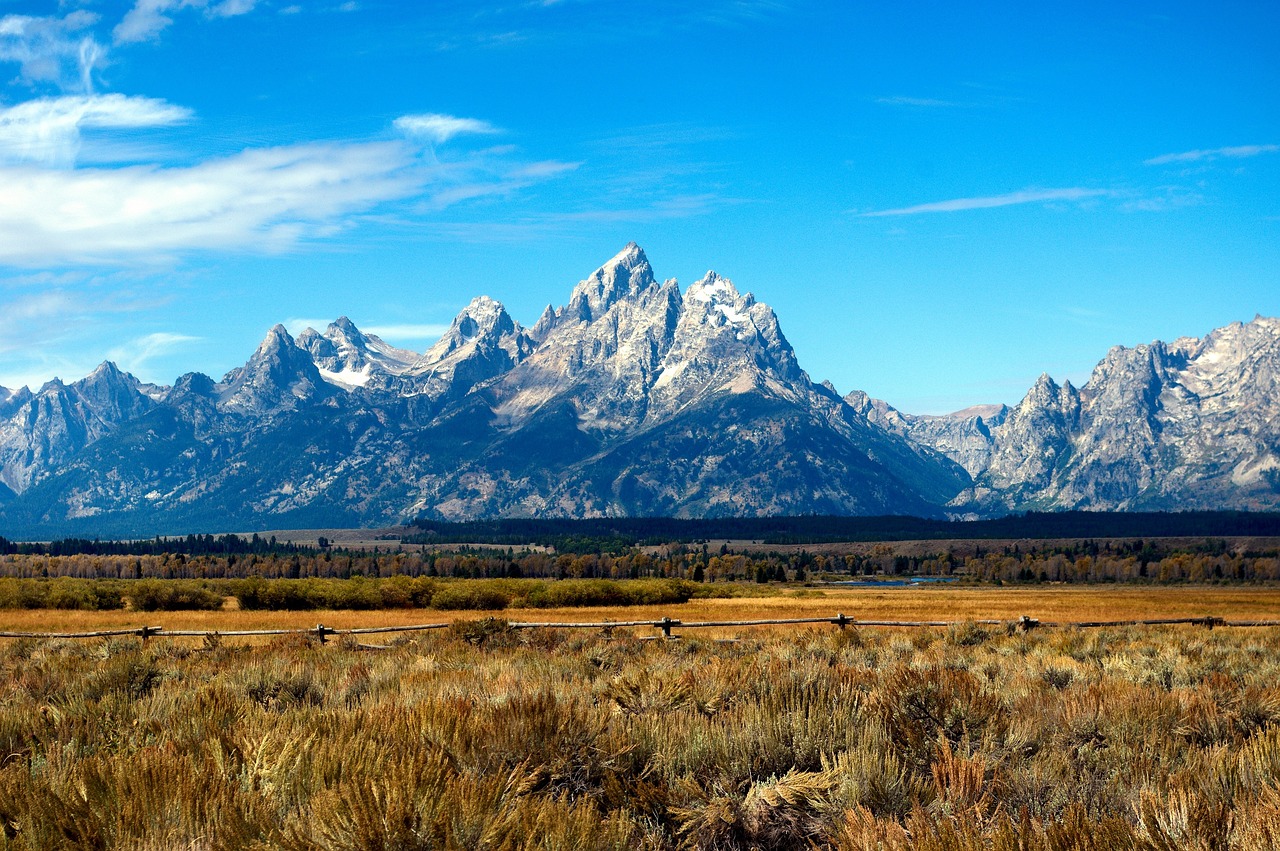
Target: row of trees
x,y
678,562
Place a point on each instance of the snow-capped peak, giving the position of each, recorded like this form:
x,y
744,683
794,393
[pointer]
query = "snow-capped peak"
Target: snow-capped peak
x,y
712,288
722,301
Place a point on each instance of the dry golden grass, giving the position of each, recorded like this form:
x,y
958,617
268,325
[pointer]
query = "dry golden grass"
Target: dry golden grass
x,y
964,738
1048,603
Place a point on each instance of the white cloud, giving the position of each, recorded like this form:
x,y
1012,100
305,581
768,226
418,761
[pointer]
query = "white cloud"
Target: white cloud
x,y
295,325
47,131
1235,152
134,356
231,8
52,50
148,18
1025,196
53,332
145,21
266,199
438,128
55,214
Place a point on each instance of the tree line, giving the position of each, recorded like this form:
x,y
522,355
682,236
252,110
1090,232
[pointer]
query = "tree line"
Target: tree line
x,y
1137,560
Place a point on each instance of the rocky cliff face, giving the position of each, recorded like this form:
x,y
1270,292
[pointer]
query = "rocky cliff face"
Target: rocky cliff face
x,y
41,431
633,398
1165,426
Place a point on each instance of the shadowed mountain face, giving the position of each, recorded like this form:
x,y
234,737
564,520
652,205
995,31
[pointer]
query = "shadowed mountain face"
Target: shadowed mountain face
x,y
634,398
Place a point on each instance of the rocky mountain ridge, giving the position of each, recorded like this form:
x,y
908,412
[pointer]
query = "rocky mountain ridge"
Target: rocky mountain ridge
x,y
633,398
1192,424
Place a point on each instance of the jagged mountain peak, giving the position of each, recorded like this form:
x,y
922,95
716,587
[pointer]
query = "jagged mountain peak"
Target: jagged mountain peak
x,y
277,337
626,275
345,325
194,384
349,358
105,369
484,321
986,412
279,376
713,287
482,343
106,378
343,331
543,326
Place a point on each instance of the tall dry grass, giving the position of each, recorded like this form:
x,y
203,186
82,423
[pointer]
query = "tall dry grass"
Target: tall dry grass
x,y
1062,603
481,737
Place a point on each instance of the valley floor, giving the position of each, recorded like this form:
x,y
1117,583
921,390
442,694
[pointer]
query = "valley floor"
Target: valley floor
x,y
947,603
464,738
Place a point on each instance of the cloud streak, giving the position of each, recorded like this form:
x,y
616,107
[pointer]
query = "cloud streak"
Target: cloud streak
x,y
134,356
1234,152
266,200
52,50
918,102
148,18
1024,196
439,128
47,131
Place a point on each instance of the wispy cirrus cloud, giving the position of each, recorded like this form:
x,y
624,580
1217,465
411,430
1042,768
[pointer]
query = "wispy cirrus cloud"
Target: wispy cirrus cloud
x,y
266,199
439,128
54,50
47,131
259,200
148,18
135,356
1234,152
42,334
1023,196
899,100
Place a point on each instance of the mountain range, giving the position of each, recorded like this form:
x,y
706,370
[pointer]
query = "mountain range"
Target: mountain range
x,y
634,398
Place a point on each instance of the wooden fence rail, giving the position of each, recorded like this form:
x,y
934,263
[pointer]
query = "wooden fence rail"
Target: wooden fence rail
x,y
665,624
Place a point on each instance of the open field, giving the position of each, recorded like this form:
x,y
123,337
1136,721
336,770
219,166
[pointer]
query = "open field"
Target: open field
x,y
964,738
951,603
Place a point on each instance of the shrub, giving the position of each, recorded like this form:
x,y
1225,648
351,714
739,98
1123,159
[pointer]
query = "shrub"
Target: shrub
x,y
480,596
170,595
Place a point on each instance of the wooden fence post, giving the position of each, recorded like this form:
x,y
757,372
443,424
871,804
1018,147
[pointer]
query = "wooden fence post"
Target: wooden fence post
x,y
323,632
665,625
840,620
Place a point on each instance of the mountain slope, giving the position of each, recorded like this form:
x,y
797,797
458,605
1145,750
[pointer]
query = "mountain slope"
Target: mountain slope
x,y
1164,426
42,430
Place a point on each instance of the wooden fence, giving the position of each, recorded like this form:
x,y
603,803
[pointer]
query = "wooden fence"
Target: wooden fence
x,y
665,624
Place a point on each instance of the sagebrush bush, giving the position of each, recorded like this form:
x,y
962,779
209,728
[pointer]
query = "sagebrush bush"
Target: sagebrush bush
x,y
487,737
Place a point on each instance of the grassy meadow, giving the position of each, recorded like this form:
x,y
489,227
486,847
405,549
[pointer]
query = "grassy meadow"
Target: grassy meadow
x,y
730,602
482,737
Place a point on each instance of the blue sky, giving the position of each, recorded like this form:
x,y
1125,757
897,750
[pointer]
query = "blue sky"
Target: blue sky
x,y
941,200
